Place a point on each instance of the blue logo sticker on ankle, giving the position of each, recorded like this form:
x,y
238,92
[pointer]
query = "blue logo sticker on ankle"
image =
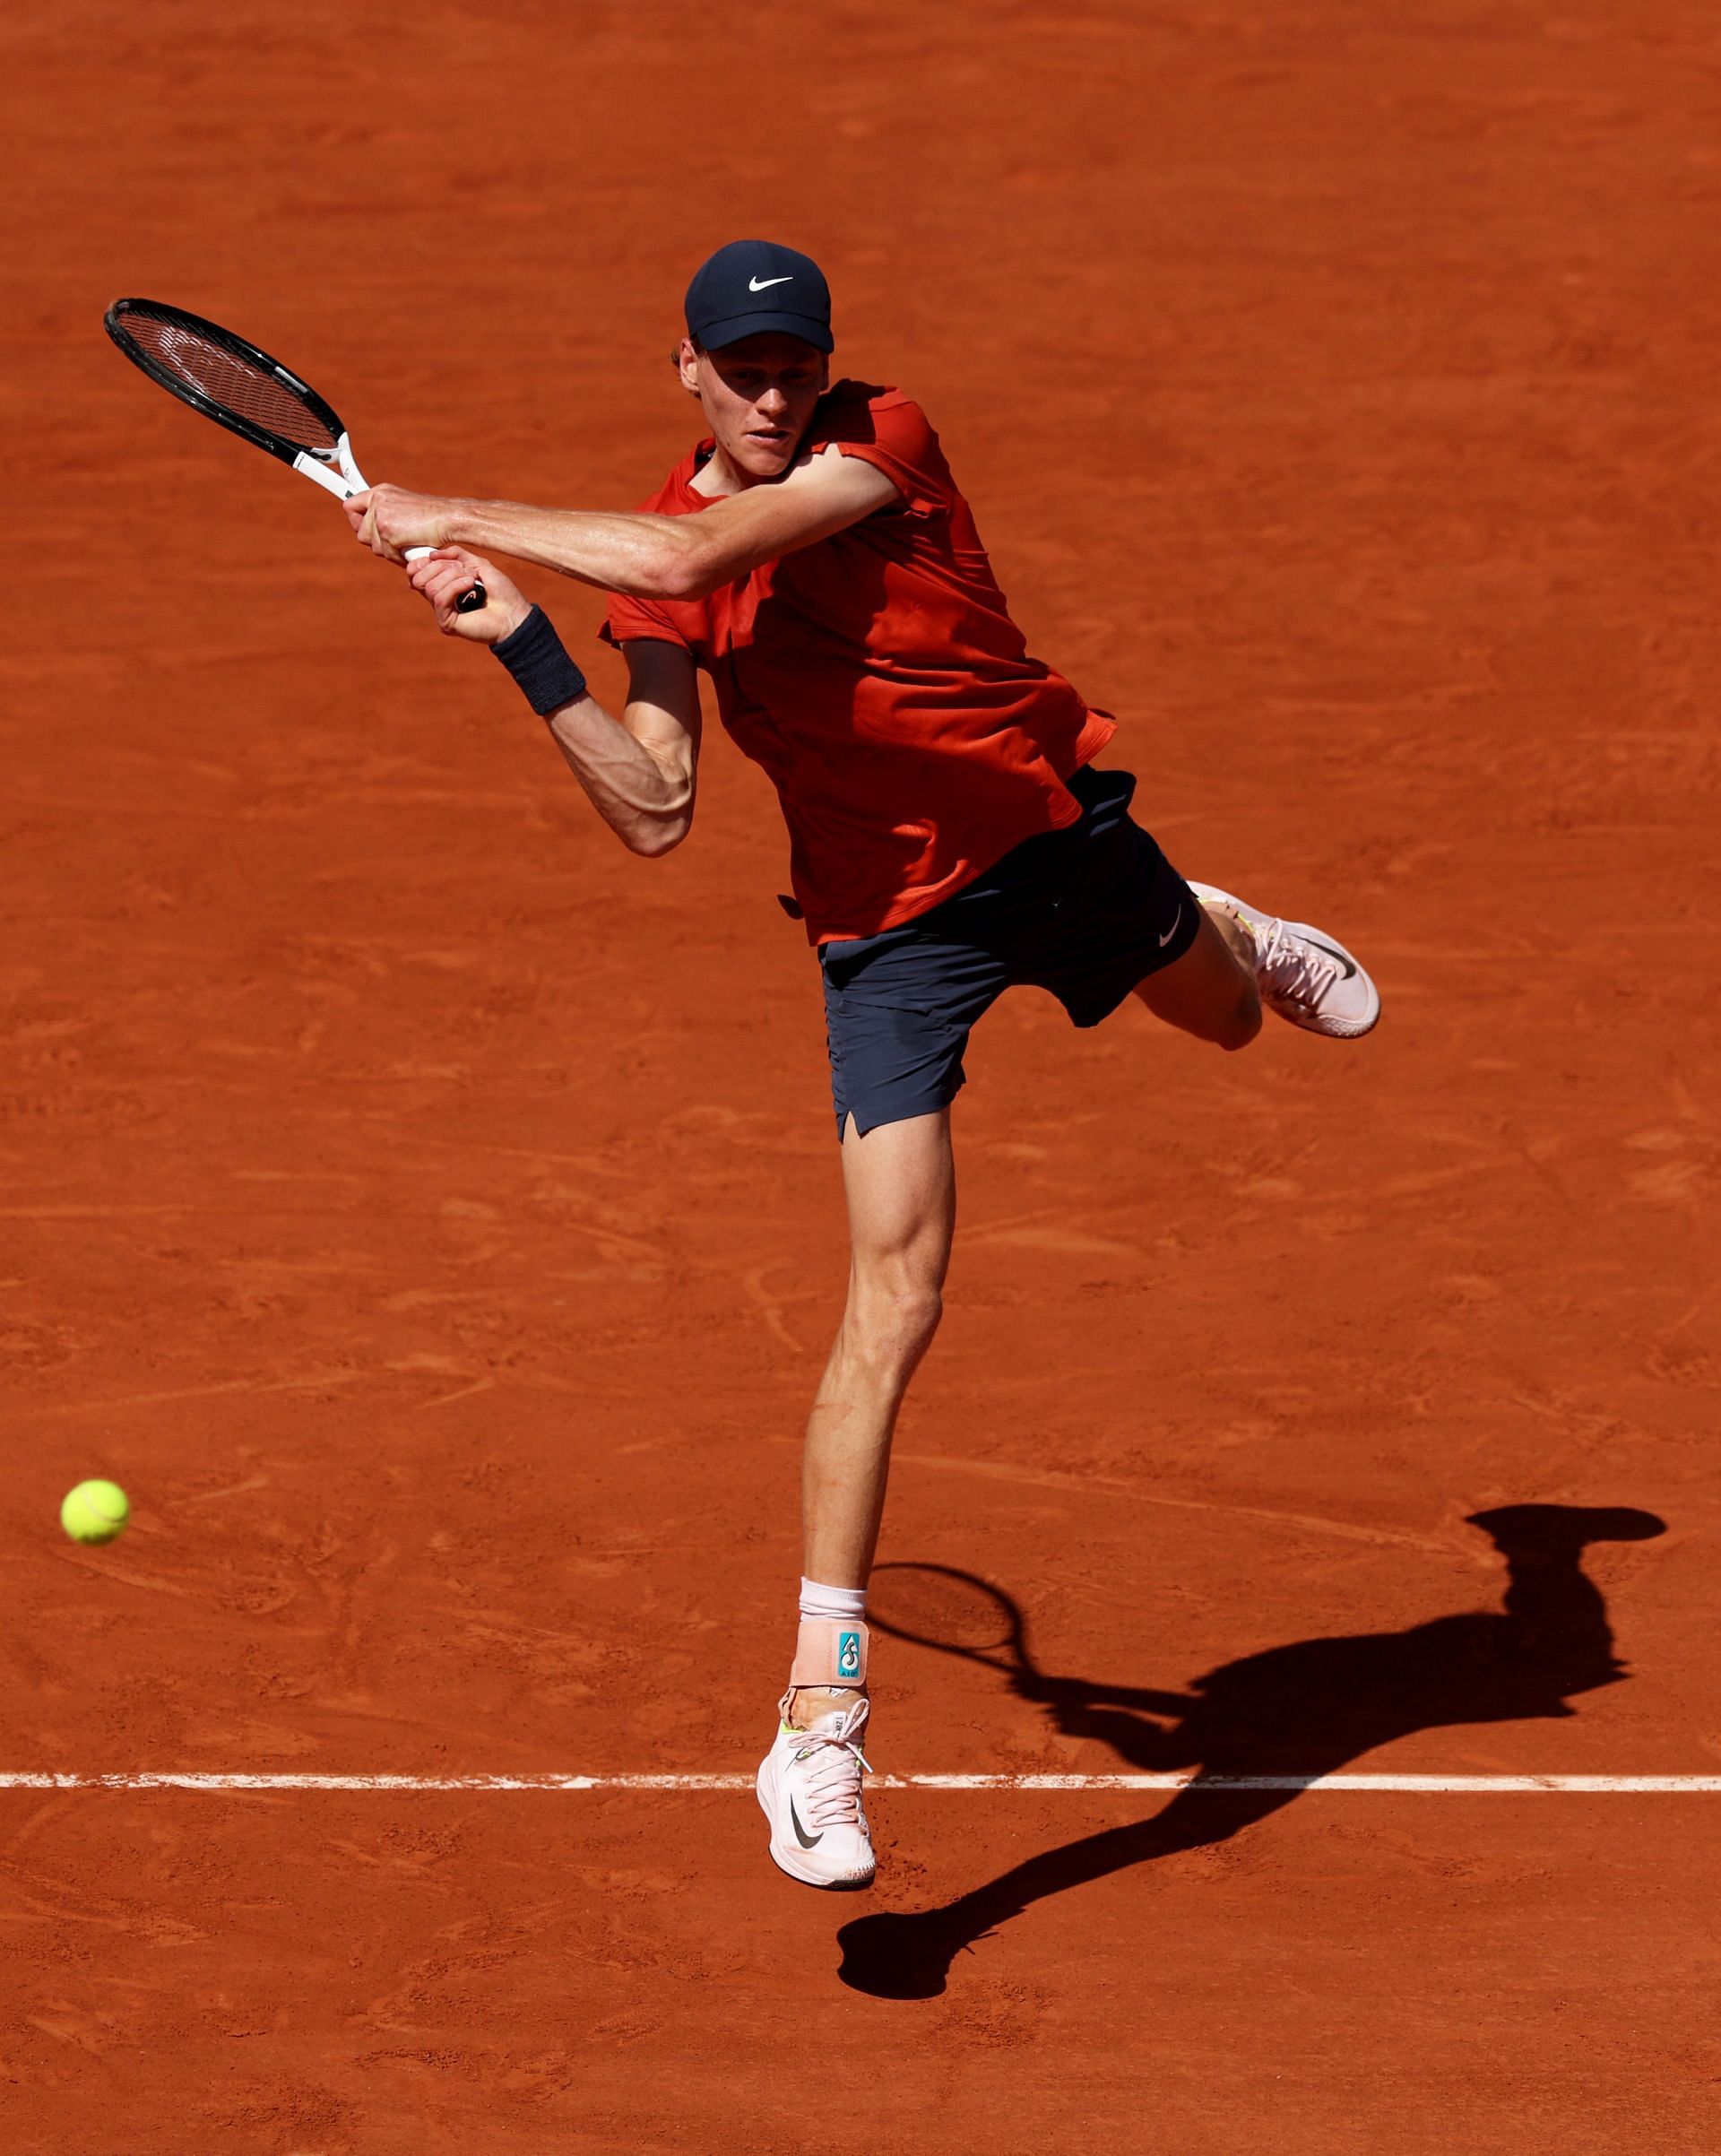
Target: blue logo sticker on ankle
x,y
848,1654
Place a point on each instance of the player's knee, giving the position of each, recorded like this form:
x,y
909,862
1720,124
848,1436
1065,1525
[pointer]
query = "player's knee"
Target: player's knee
x,y
911,1316
893,1321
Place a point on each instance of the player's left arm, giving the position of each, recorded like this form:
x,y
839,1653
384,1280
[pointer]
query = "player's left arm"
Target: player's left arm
x,y
642,555
639,767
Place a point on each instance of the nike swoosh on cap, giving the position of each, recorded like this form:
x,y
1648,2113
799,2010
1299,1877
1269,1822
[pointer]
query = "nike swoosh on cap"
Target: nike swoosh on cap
x,y
807,1840
761,284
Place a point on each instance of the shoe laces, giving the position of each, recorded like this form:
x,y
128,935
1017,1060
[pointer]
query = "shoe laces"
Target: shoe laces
x,y
830,1763
1293,971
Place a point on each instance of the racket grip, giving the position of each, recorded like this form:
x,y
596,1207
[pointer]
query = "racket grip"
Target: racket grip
x,y
470,601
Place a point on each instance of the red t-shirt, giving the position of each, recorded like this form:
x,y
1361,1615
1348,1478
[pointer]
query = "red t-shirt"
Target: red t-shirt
x,y
877,677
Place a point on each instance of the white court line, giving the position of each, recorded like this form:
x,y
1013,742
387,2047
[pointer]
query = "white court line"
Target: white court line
x,y
1436,1785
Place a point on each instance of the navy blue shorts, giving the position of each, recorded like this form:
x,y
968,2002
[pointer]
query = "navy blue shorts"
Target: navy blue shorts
x,y
1088,912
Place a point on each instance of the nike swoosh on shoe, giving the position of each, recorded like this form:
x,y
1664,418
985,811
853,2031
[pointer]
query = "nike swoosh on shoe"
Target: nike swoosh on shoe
x,y
807,1840
1348,964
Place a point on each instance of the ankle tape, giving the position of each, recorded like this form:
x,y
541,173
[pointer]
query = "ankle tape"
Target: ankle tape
x,y
828,1652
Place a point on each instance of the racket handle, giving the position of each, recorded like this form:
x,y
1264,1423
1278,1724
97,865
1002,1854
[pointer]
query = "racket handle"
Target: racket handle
x,y
473,597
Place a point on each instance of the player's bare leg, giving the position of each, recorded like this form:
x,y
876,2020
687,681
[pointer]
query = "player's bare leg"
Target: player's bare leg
x,y
901,1191
900,1184
1211,991
1241,959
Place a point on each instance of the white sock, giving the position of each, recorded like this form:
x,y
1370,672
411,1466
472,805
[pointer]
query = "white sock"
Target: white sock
x,y
839,1604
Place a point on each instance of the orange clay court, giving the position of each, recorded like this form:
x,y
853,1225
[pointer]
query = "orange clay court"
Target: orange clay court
x,y
429,1212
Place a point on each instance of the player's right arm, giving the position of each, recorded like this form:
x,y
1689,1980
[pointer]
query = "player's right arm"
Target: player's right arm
x,y
645,554
639,770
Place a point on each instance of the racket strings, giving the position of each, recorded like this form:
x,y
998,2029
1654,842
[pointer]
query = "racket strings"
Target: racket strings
x,y
238,384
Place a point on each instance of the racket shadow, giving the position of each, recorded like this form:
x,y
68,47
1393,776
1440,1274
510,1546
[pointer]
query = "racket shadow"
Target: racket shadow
x,y
1293,1713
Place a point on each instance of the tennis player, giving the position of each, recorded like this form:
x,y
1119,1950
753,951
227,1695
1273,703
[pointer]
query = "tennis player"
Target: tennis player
x,y
952,835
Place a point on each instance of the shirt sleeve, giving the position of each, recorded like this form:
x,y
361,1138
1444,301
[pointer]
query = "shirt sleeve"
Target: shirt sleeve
x,y
639,621
893,433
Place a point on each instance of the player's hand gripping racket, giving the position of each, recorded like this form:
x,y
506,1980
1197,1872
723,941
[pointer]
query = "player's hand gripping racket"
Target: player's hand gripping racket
x,y
252,396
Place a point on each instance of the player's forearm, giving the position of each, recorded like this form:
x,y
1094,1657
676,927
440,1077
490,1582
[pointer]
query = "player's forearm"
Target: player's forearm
x,y
644,556
647,804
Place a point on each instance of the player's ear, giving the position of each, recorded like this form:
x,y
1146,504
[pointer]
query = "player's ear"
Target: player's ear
x,y
685,358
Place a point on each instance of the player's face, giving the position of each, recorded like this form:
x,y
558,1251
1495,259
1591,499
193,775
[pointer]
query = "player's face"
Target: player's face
x,y
759,398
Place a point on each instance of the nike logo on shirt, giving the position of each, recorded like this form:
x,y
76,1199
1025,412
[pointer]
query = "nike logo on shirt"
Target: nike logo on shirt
x,y
762,284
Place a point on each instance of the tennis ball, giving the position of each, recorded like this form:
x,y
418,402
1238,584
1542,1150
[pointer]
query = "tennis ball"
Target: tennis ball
x,y
95,1512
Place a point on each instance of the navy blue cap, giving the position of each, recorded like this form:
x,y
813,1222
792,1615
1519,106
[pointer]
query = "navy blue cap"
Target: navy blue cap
x,y
754,285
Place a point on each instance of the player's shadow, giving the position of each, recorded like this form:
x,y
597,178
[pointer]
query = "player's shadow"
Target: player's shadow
x,y
1293,1713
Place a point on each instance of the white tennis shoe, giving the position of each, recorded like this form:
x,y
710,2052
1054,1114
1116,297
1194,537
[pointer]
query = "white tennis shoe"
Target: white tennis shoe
x,y
810,1790
1305,975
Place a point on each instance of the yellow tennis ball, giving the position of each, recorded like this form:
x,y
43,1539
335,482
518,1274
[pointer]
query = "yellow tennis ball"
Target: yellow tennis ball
x,y
95,1512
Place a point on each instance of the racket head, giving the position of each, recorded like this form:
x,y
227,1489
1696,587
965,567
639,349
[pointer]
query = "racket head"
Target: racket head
x,y
227,379
958,1612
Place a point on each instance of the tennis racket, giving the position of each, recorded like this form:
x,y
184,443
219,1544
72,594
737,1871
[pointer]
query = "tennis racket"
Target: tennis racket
x,y
241,389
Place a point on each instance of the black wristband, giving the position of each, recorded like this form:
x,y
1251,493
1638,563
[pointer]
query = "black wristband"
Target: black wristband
x,y
535,655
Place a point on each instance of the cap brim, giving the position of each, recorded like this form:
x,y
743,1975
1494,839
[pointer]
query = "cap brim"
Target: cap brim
x,y
715,336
